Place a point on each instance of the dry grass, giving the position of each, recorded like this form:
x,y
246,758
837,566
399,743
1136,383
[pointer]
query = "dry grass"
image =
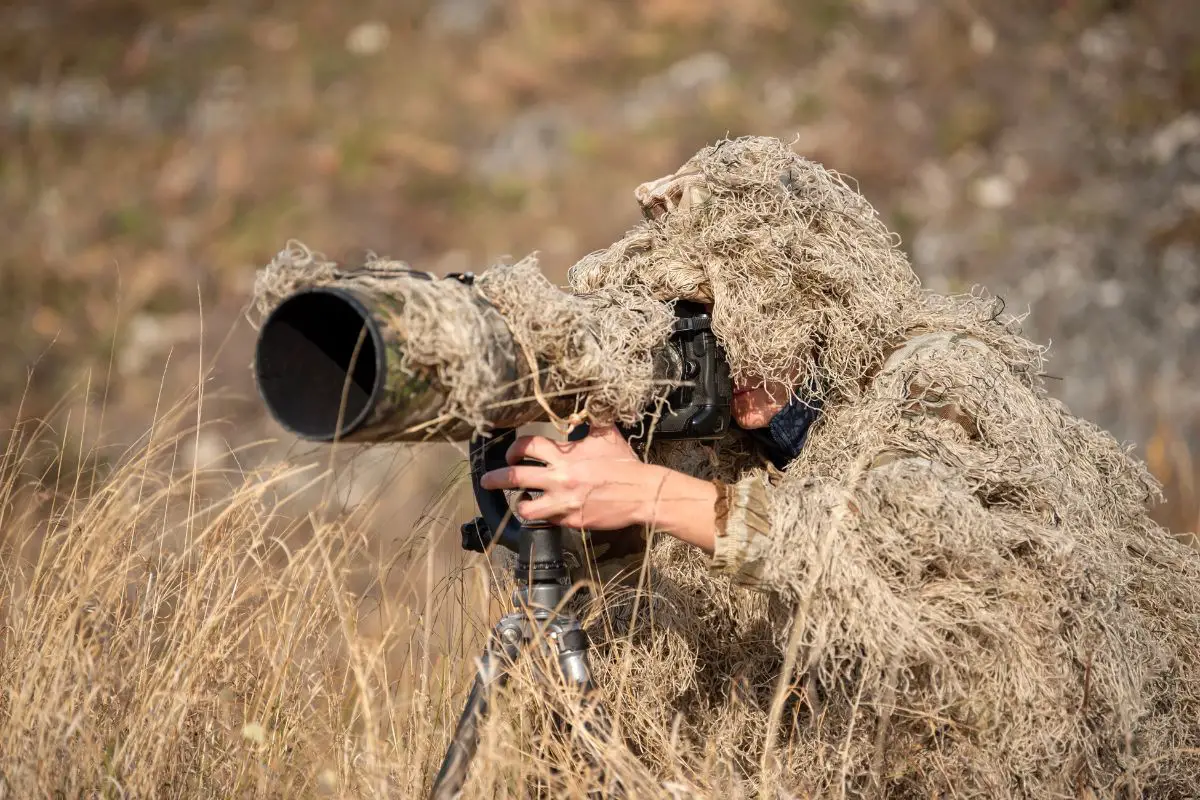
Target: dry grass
x,y
174,630
159,643
171,630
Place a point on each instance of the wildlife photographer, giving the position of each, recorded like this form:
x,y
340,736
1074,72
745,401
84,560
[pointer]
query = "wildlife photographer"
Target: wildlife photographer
x,y
959,577
904,571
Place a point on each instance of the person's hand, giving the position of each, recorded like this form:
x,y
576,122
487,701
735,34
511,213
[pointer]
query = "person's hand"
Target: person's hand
x,y
596,483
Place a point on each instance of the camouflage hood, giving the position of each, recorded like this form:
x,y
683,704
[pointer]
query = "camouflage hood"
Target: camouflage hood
x,y
793,259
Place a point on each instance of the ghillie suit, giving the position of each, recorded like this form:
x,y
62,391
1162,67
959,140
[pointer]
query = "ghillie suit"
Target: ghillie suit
x,y
952,589
959,578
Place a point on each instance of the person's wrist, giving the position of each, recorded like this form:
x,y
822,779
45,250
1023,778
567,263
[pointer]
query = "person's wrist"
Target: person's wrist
x,y
651,479
665,494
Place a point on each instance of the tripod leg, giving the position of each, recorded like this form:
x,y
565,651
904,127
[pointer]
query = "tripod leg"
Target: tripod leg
x,y
494,664
573,646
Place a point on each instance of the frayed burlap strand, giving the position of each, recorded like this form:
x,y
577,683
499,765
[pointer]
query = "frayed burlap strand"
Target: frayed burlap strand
x,y
570,358
599,347
293,269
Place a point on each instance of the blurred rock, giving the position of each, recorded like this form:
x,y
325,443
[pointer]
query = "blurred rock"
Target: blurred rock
x,y
1106,42
77,103
982,37
993,191
368,39
1110,294
1170,139
681,85
71,103
533,143
462,17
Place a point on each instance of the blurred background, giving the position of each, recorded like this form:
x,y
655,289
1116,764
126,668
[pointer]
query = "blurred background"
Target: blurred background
x,y
153,155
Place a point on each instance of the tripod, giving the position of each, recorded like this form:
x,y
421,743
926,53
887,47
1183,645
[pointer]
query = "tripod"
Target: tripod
x,y
542,581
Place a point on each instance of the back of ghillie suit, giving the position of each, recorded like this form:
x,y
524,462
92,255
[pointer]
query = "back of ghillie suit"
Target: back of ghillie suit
x,y
930,579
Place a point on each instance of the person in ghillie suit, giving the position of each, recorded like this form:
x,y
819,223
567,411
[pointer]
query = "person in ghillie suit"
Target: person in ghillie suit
x,y
908,571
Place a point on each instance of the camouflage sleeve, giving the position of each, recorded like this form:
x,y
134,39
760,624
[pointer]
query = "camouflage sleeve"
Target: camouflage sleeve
x,y
743,522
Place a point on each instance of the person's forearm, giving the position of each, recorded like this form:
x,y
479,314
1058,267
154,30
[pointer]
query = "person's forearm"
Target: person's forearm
x,y
682,506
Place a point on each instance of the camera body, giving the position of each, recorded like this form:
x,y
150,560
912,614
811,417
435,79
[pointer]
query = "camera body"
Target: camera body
x,y
700,405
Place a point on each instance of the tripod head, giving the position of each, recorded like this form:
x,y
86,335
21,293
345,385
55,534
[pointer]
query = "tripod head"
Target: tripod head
x,y
541,570
496,522
542,580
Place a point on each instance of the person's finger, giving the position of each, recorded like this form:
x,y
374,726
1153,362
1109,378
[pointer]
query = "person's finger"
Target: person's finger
x,y
519,477
538,448
546,507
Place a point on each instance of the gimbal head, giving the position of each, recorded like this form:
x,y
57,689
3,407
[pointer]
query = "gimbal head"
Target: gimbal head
x,y
542,582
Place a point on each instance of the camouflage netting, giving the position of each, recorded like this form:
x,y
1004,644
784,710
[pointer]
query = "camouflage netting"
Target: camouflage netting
x,y
960,593
586,358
